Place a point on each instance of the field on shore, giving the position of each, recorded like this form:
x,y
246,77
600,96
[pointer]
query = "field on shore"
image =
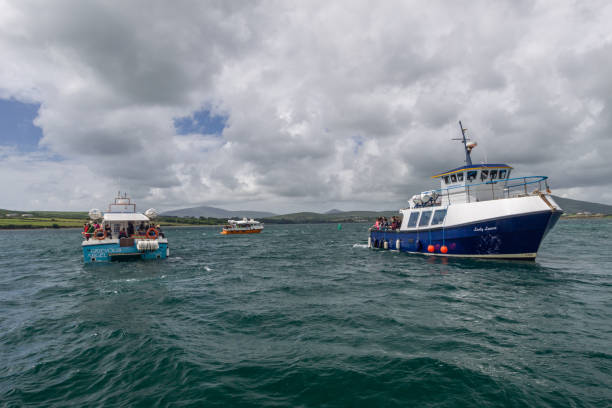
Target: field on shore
x,y
59,219
37,222
40,222
65,219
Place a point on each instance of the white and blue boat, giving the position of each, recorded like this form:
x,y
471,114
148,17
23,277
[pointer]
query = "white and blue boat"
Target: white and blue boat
x,y
124,234
479,211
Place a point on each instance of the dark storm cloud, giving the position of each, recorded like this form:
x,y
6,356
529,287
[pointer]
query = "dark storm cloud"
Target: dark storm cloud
x,y
322,102
150,53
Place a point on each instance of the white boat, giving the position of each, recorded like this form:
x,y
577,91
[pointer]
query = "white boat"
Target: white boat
x,y
123,233
479,211
243,226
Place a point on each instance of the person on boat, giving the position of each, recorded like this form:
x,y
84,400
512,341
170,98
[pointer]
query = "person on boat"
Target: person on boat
x,y
130,229
85,228
377,223
159,231
108,231
90,230
122,233
141,229
393,223
385,223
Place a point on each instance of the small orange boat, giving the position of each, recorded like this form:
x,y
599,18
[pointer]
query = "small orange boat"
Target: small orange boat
x,y
244,226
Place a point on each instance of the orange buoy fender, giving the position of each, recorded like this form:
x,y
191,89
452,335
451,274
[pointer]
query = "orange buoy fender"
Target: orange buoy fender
x,y
152,233
99,234
430,248
443,249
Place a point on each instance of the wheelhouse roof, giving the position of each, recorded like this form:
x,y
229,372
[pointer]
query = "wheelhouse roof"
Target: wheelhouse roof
x,y
473,167
244,221
117,217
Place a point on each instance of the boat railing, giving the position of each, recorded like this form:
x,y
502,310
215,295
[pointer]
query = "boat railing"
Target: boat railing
x,y
513,187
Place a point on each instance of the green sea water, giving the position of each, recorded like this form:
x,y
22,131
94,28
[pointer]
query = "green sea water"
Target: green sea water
x,y
305,315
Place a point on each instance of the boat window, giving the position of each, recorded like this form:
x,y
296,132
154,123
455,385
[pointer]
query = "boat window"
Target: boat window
x,y
412,221
454,178
460,176
502,174
484,174
445,179
438,217
493,174
425,218
471,175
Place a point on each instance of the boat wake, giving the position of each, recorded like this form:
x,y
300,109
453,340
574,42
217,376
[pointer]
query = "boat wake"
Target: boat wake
x,y
360,245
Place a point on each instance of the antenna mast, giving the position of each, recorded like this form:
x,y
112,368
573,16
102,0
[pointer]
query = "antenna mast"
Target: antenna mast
x,y
468,159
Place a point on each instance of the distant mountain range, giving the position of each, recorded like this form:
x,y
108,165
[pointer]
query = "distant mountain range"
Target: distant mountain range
x,y
343,216
570,206
333,216
214,212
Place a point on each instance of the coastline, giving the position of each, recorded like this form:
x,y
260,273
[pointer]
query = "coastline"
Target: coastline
x,y
583,217
37,228
28,227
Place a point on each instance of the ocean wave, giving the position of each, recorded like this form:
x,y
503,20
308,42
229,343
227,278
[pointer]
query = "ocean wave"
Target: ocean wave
x,y
302,318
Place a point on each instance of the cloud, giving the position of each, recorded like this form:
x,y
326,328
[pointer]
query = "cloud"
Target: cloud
x,y
285,107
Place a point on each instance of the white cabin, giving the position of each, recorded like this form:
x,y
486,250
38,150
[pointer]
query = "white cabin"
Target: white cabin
x,y
473,183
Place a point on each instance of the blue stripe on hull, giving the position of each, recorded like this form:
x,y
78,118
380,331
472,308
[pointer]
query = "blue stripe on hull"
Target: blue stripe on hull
x,y
102,252
499,238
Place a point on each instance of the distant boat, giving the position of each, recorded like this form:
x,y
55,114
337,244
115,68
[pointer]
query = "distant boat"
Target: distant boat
x,y
124,234
479,211
243,226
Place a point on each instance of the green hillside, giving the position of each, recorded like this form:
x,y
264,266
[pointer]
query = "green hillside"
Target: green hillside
x,y
41,219
315,218
37,222
75,219
46,214
570,206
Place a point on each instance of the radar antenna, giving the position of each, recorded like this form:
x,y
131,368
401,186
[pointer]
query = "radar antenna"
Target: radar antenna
x,y
467,146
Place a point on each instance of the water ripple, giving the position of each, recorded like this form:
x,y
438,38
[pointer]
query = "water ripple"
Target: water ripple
x,y
304,315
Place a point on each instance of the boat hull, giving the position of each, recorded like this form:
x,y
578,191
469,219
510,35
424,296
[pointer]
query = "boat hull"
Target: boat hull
x,y
112,251
253,231
510,237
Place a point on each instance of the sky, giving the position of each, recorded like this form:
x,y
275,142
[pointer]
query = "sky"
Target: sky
x,y
297,106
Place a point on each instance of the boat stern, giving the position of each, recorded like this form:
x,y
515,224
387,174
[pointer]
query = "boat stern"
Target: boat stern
x,y
108,250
